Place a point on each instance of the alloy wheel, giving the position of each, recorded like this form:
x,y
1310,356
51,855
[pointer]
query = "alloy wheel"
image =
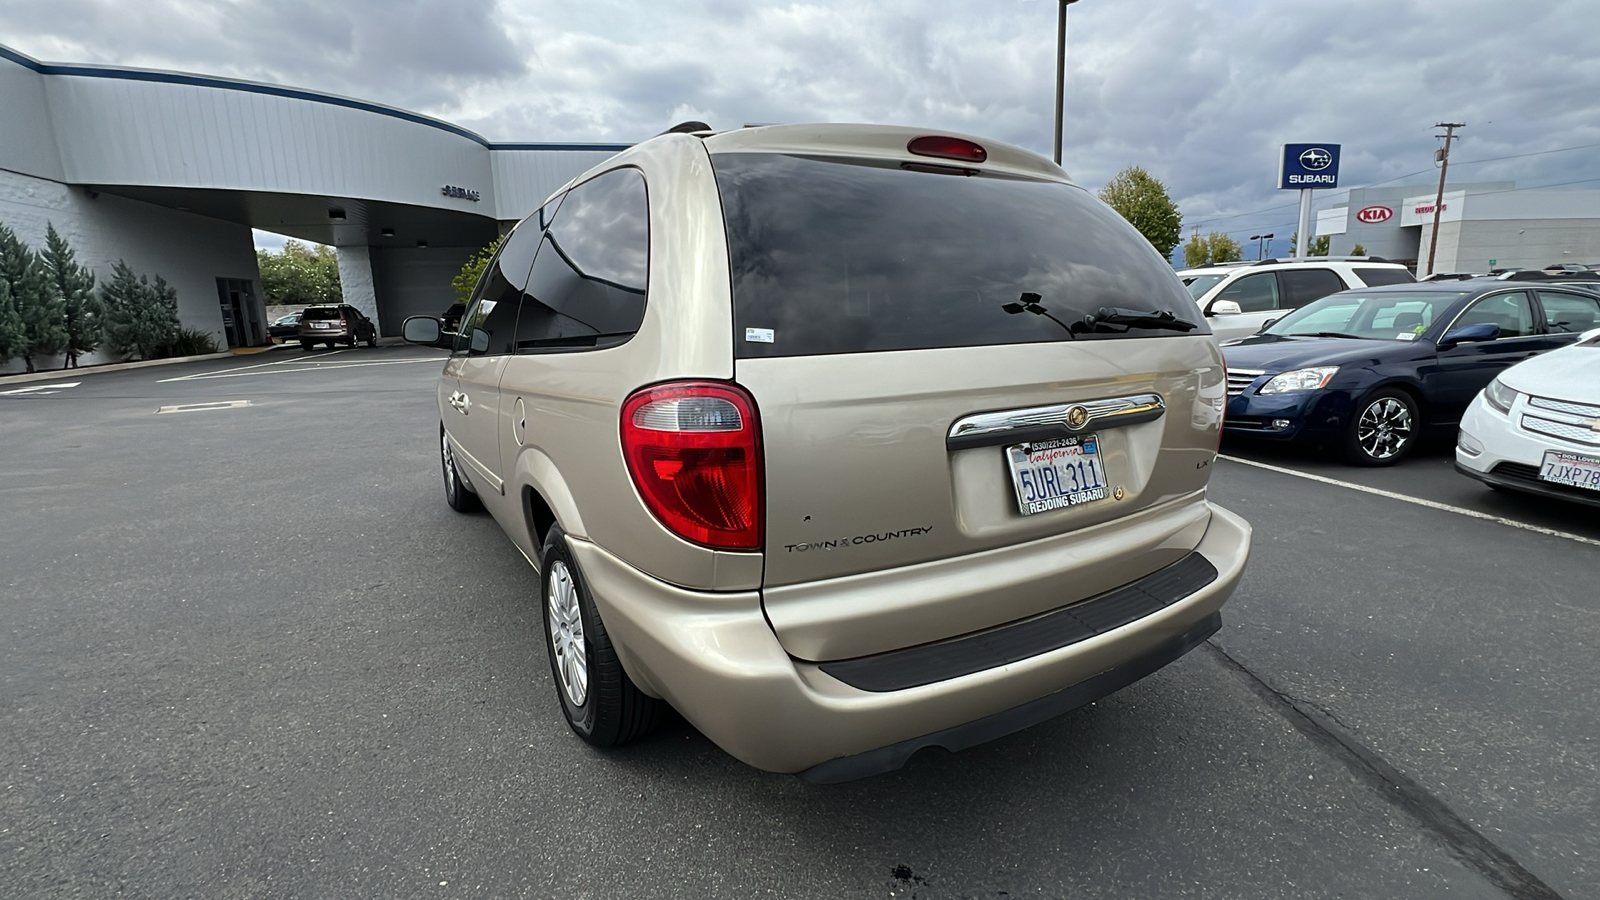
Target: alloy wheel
x,y
566,634
1384,428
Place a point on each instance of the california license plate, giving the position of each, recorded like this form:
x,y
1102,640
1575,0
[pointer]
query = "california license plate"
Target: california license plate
x,y
321,325
1055,473
1570,469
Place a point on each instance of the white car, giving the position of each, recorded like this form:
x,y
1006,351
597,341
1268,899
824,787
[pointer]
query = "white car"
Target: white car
x,y
1238,298
1536,428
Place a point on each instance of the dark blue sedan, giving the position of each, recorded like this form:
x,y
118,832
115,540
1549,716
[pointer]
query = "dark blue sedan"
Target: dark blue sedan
x,y
1367,370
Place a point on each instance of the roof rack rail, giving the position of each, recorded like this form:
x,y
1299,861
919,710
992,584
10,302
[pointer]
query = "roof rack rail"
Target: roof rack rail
x,y
1314,259
1547,275
1450,276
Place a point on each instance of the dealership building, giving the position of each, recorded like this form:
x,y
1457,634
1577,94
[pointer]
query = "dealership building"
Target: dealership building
x,y
1481,226
170,172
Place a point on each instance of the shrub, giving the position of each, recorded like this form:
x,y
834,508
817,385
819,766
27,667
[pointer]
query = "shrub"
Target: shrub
x,y
192,342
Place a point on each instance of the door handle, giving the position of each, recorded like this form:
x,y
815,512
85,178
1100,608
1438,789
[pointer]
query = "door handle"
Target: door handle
x,y
461,402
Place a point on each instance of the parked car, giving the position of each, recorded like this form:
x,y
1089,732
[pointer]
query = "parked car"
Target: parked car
x,y
285,328
1240,297
336,324
1536,427
844,441
1368,370
450,319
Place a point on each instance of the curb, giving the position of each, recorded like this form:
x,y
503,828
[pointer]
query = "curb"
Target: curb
x,y
58,374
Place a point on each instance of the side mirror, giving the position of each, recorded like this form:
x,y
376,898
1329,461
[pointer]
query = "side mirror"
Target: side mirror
x,y
1590,335
1483,331
1223,308
424,330
1267,324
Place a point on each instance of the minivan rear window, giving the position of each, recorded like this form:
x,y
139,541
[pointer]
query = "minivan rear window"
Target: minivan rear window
x,y
840,256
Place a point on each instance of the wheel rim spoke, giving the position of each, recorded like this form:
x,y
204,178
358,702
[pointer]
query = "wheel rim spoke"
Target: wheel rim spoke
x,y
566,634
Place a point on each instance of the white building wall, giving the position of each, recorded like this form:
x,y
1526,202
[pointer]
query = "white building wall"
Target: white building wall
x,y
524,179
191,252
416,282
355,281
27,140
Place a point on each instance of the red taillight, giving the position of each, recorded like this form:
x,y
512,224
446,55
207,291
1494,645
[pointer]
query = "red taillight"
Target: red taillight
x,y
694,452
342,324
948,148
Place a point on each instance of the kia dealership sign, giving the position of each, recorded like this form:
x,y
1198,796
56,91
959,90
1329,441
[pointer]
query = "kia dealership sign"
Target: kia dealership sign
x,y
1372,215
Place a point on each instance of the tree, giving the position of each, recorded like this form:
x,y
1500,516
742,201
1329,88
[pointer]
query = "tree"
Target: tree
x,y
10,325
74,284
1215,247
33,298
1143,201
1319,245
467,278
140,317
301,275
1358,250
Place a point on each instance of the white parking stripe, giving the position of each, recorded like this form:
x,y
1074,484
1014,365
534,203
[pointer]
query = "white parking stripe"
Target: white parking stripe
x,y
43,387
231,373
1444,507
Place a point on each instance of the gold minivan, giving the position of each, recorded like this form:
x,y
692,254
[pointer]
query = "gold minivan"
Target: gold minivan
x,y
844,441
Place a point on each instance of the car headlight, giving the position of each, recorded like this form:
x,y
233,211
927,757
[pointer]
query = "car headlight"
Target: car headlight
x,y
1499,396
1299,380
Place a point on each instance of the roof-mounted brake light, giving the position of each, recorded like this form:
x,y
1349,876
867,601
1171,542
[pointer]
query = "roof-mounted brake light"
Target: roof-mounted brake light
x,y
944,147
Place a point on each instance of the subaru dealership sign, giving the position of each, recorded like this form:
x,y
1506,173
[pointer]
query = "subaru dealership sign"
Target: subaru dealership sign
x,y
1309,166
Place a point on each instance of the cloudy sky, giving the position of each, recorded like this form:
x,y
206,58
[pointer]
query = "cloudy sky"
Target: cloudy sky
x,y
1199,92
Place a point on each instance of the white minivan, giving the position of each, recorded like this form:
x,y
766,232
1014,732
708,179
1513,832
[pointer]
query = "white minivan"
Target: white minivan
x,y
1239,298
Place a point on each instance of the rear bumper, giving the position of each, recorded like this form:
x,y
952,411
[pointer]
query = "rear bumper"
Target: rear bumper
x,y
716,659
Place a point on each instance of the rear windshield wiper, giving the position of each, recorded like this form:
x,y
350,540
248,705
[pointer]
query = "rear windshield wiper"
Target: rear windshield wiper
x,y
1132,318
1332,334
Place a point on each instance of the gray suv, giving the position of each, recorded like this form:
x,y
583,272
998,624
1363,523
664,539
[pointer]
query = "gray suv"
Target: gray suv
x,y
844,441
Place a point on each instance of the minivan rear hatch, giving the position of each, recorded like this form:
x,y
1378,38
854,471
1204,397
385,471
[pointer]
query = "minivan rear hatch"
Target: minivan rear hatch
x,y
942,370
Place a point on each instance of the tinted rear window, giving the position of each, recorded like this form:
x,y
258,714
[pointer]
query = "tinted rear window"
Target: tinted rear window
x,y
835,257
327,312
1374,276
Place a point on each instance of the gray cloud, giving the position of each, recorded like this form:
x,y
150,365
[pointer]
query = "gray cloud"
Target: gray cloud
x,y
1200,92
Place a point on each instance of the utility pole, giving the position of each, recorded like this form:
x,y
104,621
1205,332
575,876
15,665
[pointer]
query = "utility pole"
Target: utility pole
x,y
1061,71
1442,155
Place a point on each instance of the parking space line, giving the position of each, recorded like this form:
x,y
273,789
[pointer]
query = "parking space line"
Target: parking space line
x,y
1431,504
299,364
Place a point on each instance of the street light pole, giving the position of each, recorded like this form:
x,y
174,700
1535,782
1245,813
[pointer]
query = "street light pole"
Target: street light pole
x,y
1443,156
1061,71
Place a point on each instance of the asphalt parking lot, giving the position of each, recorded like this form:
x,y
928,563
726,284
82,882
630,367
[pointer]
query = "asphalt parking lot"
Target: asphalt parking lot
x,y
249,652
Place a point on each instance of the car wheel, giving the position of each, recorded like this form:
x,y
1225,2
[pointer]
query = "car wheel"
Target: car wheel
x,y
1383,428
306,346
456,493
600,701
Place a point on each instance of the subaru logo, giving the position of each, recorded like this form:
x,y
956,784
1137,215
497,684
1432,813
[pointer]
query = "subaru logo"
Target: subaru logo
x,y
1316,159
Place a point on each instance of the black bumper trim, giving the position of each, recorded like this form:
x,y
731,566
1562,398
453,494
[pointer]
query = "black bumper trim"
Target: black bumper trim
x,y
979,731
912,667
1515,477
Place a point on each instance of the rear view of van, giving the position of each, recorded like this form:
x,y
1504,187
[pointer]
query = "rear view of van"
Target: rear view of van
x,y
907,445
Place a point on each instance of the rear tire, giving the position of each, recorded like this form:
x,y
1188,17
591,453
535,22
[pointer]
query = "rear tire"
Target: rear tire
x,y
602,704
456,493
306,346
1384,427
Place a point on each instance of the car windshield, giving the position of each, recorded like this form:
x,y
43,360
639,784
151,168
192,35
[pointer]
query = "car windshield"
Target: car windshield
x,y
1199,284
1391,316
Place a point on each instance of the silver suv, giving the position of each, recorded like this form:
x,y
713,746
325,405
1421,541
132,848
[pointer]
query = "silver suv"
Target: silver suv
x,y
844,441
1238,298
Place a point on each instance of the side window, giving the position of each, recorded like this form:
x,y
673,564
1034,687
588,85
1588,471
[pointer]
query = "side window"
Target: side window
x,y
1253,293
1372,276
1301,286
492,312
1569,313
1510,311
587,288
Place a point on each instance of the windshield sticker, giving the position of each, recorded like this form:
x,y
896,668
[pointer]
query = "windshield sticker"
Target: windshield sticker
x,y
1406,336
758,335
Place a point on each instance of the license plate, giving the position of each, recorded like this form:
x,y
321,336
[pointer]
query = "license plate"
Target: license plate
x,y
1570,469
321,325
1055,473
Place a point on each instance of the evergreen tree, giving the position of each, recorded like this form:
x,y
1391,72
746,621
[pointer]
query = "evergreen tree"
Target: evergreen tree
x,y
74,284
33,297
1143,201
10,326
139,317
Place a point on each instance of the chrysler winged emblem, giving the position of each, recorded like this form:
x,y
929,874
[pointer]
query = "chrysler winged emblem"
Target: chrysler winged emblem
x,y
1077,417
